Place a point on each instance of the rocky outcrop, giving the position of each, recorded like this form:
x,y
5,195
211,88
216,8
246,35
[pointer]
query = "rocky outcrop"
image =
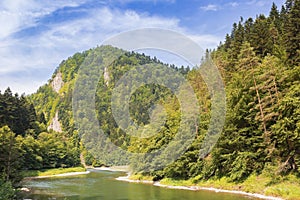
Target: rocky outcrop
x,y
55,124
57,82
106,76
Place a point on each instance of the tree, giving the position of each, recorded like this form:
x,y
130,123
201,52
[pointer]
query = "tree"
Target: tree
x,y
10,155
274,17
6,190
286,131
17,113
292,36
261,40
240,150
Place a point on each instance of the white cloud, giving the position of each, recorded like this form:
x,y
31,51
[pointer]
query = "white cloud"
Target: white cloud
x,y
259,3
233,4
210,7
18,14
47,49
25,84
206,41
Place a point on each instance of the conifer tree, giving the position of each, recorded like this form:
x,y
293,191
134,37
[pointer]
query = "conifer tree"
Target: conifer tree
x,y
292,36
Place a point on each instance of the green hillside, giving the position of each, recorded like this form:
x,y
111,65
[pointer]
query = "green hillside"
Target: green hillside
x,y
260,65
52,103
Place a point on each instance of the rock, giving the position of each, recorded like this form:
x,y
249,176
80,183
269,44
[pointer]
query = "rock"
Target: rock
x,y
25,189
55,124
106,76
57,82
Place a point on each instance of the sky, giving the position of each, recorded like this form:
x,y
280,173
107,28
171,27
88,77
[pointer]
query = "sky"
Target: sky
x,y
36,35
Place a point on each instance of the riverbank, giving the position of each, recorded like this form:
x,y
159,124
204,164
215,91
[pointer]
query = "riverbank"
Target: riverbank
x,y
254,186
112,169
198,188
50,173
59,172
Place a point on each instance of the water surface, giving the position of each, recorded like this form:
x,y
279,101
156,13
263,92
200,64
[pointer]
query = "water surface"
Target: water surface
x,y
101,185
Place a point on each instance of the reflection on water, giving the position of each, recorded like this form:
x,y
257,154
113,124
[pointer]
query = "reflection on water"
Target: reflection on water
x,y
101,185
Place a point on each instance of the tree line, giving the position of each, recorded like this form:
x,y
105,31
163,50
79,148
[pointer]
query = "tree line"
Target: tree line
x,y
25,143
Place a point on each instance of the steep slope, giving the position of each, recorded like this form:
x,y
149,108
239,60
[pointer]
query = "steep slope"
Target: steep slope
x,y
55,98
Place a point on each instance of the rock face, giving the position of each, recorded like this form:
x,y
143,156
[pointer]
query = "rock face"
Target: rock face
x,y
106,76
55,124
57,82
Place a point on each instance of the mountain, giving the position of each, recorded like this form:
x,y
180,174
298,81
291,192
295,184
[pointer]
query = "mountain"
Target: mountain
x,y
104,105
55,99
261,74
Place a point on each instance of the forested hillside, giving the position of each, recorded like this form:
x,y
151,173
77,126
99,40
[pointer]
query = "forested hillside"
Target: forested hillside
x,y
259,62
260,65
51,102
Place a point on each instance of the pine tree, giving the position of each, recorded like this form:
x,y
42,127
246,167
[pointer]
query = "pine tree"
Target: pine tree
x,y
292,36
237,41
249,26
274,16
241,145
261,39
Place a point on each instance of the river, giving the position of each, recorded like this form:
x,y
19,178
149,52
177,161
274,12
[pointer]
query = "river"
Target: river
x,y
101,185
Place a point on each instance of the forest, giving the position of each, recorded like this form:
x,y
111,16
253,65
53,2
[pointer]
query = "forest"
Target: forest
x,y
260,66
25,143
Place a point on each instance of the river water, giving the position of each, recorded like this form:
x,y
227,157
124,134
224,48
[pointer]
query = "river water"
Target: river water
x,y
101,185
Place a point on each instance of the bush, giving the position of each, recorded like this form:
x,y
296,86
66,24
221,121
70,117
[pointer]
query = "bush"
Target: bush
x,y
6,190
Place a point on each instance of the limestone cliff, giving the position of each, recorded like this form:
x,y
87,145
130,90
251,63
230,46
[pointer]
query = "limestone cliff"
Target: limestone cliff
x,y
55,124
106,76
57,82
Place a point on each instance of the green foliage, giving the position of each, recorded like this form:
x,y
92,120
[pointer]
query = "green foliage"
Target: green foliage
x,y
17,113
291,34
286,131
10,155
259,62
262,97
7,191
24,145
51,172
56,151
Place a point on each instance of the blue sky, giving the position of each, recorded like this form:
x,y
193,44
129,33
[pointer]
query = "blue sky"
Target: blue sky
x,y
36,35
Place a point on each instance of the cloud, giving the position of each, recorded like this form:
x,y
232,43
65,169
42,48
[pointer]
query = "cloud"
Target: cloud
x,y
63,39
259,3
206,41
210,7
233,4
23,13
35,54
27,83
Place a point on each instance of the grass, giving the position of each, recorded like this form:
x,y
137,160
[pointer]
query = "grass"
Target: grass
x,y
51,172
286,187
139,177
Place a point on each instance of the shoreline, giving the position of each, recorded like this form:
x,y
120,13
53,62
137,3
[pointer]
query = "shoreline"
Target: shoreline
x,y
127,179
112,169
198,188
125,169
58,175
